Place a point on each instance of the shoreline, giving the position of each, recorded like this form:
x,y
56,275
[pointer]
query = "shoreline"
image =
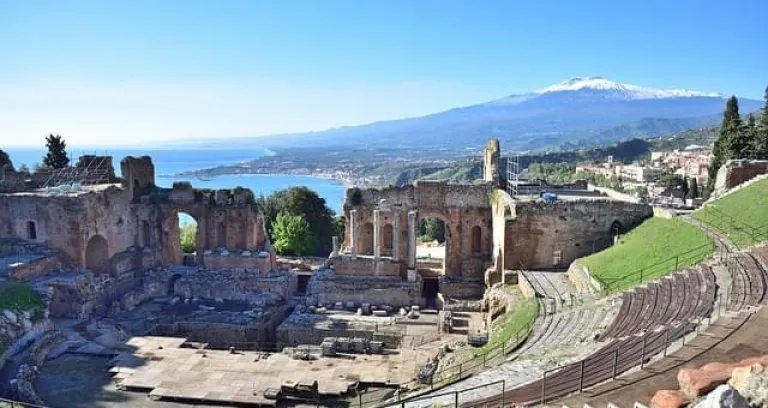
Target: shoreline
x,y
345,182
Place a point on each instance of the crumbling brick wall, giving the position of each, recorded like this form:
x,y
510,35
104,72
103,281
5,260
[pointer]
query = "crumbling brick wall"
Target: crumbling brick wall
x,y
544,236
736,172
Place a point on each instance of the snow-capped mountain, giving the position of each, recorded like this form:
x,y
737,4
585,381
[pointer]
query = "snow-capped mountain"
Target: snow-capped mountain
x,y
625,91
577,112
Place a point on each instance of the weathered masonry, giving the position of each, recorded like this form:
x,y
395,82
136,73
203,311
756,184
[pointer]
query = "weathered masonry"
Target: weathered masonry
x,y
99,227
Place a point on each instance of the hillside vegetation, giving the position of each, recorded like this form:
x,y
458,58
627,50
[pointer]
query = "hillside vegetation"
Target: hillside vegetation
x,y
741,215
656,247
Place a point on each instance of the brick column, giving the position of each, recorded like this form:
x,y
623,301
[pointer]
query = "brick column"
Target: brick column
x,y
354,231
376,234
396,235
411,239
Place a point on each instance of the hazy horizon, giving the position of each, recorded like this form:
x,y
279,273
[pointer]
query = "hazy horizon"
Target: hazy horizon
x,y
121,74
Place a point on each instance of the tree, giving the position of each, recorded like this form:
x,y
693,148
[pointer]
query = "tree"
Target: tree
x,y
728,142
432,229
188,238
339,227
56,158
24,169
761,132
292,235
311,207
671,180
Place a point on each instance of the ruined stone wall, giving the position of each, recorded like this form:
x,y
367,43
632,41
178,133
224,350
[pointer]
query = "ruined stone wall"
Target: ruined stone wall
x,y
138,175
67,222
225,219
236,285
462,208
544,236
736,172
35,269
327,287
362,266
260,262
491,161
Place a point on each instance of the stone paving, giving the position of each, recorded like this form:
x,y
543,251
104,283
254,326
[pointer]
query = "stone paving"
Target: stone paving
x,y
161,366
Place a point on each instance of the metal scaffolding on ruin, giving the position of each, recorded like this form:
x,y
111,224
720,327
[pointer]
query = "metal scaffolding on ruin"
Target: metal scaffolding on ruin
x,y
95,172
513,171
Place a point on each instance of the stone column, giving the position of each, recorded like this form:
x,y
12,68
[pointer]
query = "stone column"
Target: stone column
x,y
335,241
354,231
396,236
411,239
376,234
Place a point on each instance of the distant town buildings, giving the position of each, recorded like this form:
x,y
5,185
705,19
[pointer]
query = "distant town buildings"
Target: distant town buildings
x,y
644,178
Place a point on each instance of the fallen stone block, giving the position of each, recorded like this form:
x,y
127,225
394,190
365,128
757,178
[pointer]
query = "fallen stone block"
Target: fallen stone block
x,y
697,382
669,399
741,375
723,396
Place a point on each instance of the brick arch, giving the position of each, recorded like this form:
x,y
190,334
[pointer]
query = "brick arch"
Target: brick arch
x,y
97,255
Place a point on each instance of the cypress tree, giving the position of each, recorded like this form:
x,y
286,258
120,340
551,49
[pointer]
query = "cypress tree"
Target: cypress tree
x,y
761,133
56,158
734,132
723,149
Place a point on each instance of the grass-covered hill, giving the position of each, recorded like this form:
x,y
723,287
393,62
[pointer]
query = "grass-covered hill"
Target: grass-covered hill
x,y
657,247
741,215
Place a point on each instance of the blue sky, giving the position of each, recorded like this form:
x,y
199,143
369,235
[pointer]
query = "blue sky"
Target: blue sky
x,y
109,72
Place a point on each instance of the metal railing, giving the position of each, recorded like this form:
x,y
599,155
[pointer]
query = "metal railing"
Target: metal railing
x,y
650,272
716,219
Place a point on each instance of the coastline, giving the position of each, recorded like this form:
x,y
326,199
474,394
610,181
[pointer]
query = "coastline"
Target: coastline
x,y
190,175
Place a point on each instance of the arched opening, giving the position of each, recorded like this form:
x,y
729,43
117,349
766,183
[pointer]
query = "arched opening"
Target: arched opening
x,y
97,255
221,234
432,239
172,284
31,230
616,230
146,234
188,238
477,240
386,240
366,239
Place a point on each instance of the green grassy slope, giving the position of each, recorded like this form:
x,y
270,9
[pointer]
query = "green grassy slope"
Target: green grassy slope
x,y
742,215
657,247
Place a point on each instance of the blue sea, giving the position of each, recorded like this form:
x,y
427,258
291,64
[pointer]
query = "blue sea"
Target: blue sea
x,y
173,161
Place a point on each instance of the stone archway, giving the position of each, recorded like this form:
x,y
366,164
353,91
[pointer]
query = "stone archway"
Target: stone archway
x,y
435,256
97,255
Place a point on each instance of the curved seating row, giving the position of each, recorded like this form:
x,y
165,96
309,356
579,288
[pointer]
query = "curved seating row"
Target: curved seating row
x,y
750,282
671,299
650,317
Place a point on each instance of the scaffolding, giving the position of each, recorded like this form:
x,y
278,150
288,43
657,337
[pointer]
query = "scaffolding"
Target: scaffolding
x,y
72,178
513,172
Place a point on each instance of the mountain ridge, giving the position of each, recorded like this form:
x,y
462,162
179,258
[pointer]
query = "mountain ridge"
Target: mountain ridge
x,y
577,112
